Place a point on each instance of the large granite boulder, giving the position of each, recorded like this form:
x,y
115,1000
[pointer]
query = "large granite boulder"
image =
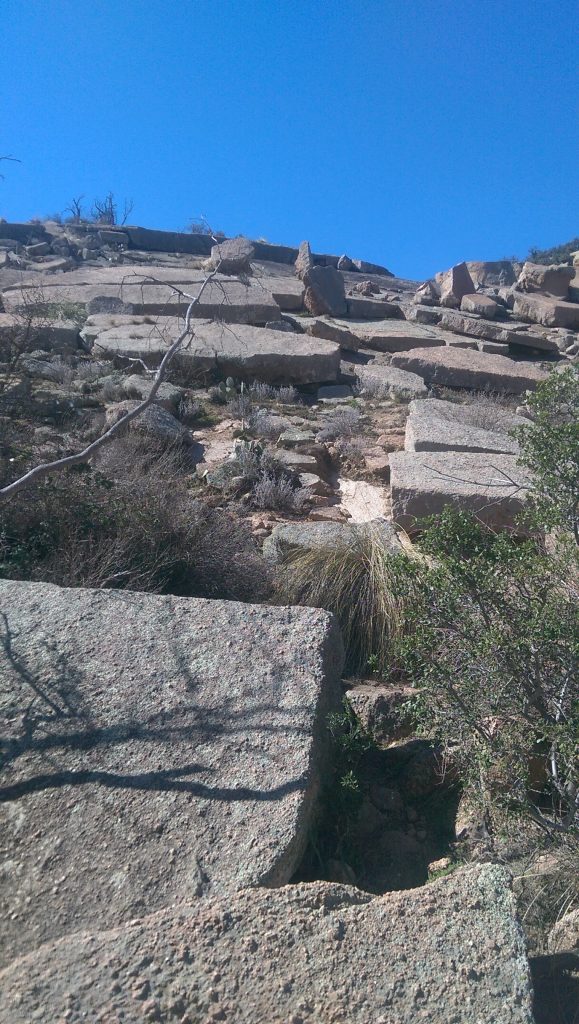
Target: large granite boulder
x,y
451,952
155,749
244,352
464,368
150,291
490,485
453,284
542,309
554,279
436,426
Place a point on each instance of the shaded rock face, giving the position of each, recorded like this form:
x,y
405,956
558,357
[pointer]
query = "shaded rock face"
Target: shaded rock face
x,y
491,485
319,952
173,750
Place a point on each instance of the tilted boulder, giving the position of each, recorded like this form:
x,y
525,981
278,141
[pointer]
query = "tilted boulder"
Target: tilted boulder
x,y
453,284
324,286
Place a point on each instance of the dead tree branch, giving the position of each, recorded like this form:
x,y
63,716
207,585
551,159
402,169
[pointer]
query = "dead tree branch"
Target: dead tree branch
x,y
46,468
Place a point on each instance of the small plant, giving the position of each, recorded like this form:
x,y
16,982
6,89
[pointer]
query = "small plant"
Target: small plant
x,y
239,406
189,409
341,422
263,423
278,493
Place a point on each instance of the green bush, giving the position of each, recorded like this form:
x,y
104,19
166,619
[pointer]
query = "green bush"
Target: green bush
x,y
550,450
492,643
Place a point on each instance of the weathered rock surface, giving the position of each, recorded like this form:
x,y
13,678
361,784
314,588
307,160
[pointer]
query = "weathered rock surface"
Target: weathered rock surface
x,y
172,750
451,952
392,381
541,309
461,368
362,308
168,396
147,290
454,284
241,351
491,485
324,291
393,335
481,304
554,279
489,273
233,256
292,538
434,425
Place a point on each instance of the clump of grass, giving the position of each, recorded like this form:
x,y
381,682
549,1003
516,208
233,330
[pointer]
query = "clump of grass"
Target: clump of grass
x,y
262,392
357,582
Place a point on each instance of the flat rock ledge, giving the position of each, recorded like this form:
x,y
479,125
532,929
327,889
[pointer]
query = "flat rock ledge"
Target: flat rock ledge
x,y
451,952
155,749
464,368
242,351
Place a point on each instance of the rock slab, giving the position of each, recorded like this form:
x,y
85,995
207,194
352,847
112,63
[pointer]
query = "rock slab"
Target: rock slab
x,y
464,368
451,952
155,749
490,485
434,425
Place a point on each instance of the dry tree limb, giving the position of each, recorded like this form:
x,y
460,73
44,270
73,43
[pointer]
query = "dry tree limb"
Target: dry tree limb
x,y
46,468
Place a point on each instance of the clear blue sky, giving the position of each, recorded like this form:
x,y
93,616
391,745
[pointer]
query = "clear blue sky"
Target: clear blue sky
x,y
414,134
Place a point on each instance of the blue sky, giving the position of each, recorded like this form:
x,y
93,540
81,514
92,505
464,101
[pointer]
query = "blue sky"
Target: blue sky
x,y
414,134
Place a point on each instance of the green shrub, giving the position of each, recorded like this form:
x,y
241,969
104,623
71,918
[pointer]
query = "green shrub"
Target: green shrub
x,y
492,647
550,450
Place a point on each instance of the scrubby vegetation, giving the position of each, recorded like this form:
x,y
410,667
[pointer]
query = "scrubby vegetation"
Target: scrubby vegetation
x,y
130,523
557,254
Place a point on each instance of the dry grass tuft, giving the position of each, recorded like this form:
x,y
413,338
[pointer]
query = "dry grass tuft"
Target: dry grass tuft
x,y
357,582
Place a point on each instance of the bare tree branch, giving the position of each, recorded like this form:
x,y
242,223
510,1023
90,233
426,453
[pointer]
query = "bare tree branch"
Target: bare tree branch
x,y
44,469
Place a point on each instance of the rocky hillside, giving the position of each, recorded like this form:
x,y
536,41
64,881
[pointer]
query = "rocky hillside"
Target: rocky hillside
x,y
194,826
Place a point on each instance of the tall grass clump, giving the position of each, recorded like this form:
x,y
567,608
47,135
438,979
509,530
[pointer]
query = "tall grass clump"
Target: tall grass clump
x,y
357,581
